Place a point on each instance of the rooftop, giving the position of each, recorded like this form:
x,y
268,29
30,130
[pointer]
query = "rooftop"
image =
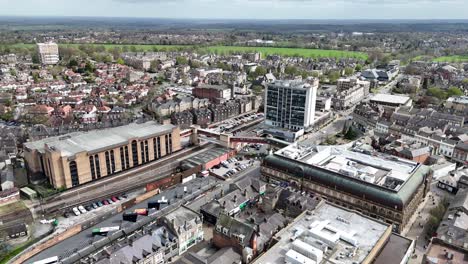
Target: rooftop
x,y
383,170
98,140
389,98
381,178
458,100
295,84
349,237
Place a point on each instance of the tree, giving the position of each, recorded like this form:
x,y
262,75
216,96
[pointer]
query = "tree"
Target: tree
x,y
333,76
454,91
257,89
13,72
351,134
437,92
181,60
120,61
290,70
348,71
72,63
358,68
259,71
35,58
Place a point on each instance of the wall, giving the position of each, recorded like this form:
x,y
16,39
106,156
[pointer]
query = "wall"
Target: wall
x,y
47,244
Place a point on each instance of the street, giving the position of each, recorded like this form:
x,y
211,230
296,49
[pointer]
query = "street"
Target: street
x,y
417,231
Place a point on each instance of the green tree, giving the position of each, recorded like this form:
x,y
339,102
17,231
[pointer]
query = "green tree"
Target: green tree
x,y
437,92
72,63
358,68
348,71
259,71
351,134
290,70
181,60
454,91
334,76
13,71
120,61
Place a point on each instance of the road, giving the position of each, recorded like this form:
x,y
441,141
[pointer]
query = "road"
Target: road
x,y
84,238
417,231
119,183
332,129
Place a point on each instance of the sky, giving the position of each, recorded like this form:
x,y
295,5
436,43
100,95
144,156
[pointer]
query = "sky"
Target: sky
x,y
242,9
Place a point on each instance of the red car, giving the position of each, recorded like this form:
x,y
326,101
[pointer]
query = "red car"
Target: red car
x,y
114,199
105,202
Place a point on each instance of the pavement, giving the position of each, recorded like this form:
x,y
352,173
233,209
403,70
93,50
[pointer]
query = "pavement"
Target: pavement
x,y
320,136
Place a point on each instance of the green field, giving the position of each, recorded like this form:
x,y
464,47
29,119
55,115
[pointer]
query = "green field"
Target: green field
x,y
452,58
300,52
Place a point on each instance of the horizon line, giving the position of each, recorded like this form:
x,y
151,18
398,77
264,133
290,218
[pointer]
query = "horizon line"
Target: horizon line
x,y
244,19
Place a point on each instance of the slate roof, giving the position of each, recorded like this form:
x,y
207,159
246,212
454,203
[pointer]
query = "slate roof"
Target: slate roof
x,y
390,198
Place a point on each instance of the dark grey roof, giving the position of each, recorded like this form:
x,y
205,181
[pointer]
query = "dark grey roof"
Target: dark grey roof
x,y
390,198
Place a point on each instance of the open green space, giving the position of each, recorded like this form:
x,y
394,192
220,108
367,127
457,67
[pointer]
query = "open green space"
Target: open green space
x,y
452,58
299,52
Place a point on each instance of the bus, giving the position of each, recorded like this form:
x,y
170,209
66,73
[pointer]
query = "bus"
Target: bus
x,y
50,260
104,230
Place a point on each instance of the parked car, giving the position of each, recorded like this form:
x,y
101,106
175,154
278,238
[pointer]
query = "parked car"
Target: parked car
x,y
94,205
105,202
114,199
110,201
66,214
88,208
120,197
82,209
100,204
76,211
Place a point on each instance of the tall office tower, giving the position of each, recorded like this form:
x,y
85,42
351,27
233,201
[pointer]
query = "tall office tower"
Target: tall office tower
x,y
291,104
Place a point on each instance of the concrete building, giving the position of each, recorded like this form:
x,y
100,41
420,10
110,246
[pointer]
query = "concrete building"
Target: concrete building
x,y
290,104
350,92
380,186
331,234
187,225
215,93
458,104
391,100
81,157
48,53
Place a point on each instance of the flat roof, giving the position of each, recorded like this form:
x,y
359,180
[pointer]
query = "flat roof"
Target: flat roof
x,y
349,236
382,170
98,140
381,178
390,98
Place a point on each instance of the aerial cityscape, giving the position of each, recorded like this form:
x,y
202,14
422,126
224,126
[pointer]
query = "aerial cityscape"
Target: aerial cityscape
x,y
213,132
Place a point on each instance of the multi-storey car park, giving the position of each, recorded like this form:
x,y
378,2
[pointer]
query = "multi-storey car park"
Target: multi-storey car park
x,y
380,186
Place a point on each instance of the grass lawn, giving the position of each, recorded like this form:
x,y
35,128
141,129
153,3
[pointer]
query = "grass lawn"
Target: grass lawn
x,y
452,58
12,207
300,52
